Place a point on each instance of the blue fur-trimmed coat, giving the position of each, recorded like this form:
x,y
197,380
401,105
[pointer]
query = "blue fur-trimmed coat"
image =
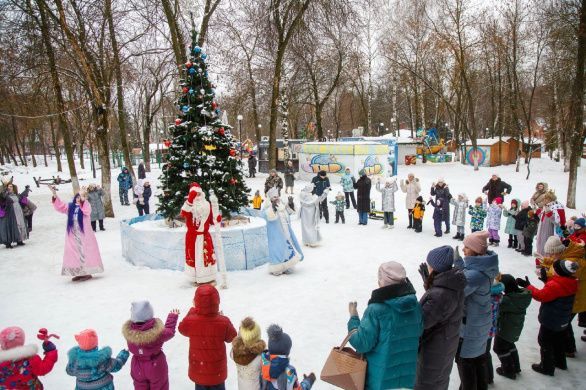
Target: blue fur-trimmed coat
x,y
93,369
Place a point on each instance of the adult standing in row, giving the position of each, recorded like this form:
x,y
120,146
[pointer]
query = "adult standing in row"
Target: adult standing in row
x,y
321,183
412,188
274,180
12,223
289,177
95,196
441,191
496,188
363,186
538,199
251,165
443,309
480,267
552,216
347,182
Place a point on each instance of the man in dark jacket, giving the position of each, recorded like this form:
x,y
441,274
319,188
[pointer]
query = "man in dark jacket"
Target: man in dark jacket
x,y
320,183
555,313
441,191
495,188
251,165
124,184
362,197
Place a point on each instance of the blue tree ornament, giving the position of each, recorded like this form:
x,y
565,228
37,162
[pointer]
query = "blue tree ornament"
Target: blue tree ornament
x,y
192,71
186,165
191,91
197,49
185,108
204,56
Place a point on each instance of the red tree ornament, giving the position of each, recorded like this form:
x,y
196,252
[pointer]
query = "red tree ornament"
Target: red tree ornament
x,y
232,181
232,152
188,64
221,131
214,105
185,90
177,122
167,143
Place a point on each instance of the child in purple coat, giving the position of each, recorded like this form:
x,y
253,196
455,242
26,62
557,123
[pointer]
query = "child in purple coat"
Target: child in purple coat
x,y
145,336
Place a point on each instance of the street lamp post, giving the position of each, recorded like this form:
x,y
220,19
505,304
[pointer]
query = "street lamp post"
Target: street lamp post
x,y
239,117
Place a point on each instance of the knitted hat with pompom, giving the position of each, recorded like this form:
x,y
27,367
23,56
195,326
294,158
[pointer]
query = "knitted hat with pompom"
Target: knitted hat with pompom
x,y
249,331
279,342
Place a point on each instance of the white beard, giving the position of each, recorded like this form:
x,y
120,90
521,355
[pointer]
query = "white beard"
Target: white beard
x,y
200,209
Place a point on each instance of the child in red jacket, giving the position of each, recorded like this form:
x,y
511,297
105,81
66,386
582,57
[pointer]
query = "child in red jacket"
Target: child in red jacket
x,y
555,314
207,330
20,366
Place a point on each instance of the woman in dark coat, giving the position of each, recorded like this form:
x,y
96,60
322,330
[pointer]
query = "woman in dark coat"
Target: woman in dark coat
x,y
363,197
495,188
12,222
141,171
443,309
441,191
94,196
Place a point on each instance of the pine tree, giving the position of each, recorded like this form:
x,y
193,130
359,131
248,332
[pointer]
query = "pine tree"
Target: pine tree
x,y
202,149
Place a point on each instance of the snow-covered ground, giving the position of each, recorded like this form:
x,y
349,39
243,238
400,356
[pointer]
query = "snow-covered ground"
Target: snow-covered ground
x,y
310,304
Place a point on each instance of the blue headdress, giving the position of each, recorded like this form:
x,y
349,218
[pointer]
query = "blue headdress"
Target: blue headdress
x,y
71,212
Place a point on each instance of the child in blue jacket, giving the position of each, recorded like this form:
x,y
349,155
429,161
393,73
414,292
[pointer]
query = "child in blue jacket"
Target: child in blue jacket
x,y
277,373
91,366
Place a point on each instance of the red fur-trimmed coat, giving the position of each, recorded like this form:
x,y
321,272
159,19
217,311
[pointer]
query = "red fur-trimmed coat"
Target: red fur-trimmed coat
x,y
20,367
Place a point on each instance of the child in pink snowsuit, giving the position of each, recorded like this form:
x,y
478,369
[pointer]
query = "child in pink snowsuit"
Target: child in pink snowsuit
x,y
145,336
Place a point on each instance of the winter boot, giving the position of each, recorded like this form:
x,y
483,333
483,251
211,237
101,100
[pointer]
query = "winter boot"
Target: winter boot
x,y
8,246
501,371
490,242
457,236
20,243
539,368
495,243
510,243
461,237
101,222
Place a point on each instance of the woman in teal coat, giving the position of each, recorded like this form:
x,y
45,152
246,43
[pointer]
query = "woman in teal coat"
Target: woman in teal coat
x,y
388,334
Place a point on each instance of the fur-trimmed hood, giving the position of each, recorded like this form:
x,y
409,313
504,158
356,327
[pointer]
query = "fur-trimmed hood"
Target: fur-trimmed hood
x,y
244,354
143,334
18,353
89,359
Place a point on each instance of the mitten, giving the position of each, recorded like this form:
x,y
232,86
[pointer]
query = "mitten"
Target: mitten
x,y
543,275
423,271
309,378
523,282
48,346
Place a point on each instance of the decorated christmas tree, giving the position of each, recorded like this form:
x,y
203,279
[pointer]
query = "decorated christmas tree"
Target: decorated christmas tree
x,y
202,148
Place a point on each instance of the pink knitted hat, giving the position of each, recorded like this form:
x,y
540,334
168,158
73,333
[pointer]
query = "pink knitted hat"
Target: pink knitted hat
x,y
391,273
87,339
477,242
11,338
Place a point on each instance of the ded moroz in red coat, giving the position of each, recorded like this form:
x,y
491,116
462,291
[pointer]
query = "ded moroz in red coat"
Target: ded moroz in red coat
x,y
208,331
20,367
